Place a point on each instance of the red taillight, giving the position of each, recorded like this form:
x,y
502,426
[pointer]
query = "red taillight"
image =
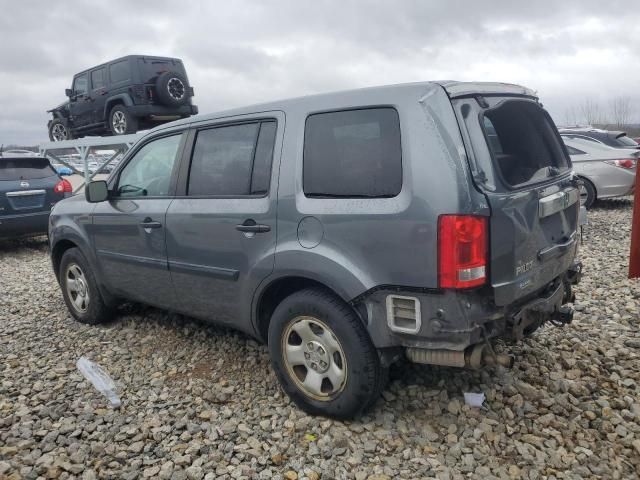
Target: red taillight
x,y
462,250
627,163
63,186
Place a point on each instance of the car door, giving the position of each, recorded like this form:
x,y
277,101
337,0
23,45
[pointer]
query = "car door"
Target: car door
x,y
221,228
80,103
129,230
98,94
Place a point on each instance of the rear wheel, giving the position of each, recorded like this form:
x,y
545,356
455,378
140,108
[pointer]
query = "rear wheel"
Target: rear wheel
x,y
121,122
587,193
80,290
323,356
59,131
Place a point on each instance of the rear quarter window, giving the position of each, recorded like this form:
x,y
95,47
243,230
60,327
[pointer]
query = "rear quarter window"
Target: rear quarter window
x,y
353,153
25,169
120,71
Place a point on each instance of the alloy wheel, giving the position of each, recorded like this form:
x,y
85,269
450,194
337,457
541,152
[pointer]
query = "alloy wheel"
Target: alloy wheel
x,y
584,194
176,88
119,122
59,132
314,358
77,287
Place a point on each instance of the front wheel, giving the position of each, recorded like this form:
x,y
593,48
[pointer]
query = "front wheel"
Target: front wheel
x,y
80,289
323,355
121,122
59,131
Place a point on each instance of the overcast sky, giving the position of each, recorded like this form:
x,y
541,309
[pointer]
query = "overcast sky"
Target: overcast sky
x,y
243,52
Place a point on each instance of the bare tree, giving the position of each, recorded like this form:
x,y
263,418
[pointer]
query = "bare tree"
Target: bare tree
x,y
591,112
620,108
570,116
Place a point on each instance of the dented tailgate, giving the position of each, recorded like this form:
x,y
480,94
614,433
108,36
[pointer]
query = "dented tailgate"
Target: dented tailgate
x,y
520,164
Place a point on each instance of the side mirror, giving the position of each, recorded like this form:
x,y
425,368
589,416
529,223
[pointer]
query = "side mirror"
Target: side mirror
x,y
96,191
68,92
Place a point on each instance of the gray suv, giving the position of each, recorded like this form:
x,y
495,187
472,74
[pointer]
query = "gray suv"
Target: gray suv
x,y
345,230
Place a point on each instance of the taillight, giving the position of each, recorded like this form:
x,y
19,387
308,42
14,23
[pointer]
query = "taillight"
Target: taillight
x,y
627,163
63,186
462,251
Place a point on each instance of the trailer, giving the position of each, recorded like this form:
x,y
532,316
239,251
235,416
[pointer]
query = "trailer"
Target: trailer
x,y
83,147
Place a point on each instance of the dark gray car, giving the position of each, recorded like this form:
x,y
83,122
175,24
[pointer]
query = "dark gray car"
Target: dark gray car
x,y
345,230
29,188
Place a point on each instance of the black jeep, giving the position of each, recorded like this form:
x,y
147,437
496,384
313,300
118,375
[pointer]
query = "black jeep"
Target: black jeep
x,y
123,96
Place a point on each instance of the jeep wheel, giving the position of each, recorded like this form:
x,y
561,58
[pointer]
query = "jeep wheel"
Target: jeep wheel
x,y
121,122
58,131
323,356
172,89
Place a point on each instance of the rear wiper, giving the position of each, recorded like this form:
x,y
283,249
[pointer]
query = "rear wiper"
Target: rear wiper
x,y
553,171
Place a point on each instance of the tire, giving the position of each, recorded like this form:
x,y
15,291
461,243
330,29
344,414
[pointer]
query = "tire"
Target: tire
x,y
93,310
587,193
333,342
59,131
172,89
121,122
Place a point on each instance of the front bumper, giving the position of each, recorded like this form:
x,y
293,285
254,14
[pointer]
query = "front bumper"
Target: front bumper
x,y
13,226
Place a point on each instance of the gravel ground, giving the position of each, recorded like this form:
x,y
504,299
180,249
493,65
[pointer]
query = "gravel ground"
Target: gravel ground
x,y
202,402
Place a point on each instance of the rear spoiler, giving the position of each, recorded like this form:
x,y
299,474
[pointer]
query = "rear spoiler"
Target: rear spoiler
x,y
471,89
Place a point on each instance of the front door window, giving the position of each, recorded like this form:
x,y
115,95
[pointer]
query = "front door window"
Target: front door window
x,y
148,174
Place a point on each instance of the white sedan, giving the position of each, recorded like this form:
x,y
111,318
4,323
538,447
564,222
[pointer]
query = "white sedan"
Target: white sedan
x,y
606,172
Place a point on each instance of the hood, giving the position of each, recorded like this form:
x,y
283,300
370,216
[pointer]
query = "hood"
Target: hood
x,y
62,106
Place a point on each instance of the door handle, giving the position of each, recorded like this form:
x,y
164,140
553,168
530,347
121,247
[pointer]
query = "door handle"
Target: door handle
x,y
250,226
148,223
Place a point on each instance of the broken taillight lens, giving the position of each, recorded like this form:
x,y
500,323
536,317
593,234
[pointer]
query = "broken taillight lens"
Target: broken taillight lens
x,y
462,251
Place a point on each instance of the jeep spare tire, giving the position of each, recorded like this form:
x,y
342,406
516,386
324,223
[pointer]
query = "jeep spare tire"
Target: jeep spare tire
x,y
172,89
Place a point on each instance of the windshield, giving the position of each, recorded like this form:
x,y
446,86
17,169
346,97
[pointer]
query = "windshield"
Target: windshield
x,y
25,169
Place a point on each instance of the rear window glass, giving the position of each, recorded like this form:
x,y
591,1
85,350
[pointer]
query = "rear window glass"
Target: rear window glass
x,y
625,141
151,68
523,143
353,153
25,169
119,71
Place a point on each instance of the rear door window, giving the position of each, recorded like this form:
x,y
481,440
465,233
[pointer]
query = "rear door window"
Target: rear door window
x,y
25,169
233,160
353,154
97,79
523,143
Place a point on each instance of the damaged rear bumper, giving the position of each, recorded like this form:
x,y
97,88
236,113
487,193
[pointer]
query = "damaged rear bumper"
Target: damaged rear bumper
x,y
454,327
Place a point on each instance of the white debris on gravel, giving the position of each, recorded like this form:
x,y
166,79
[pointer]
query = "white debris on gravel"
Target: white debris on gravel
x,y
200,402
